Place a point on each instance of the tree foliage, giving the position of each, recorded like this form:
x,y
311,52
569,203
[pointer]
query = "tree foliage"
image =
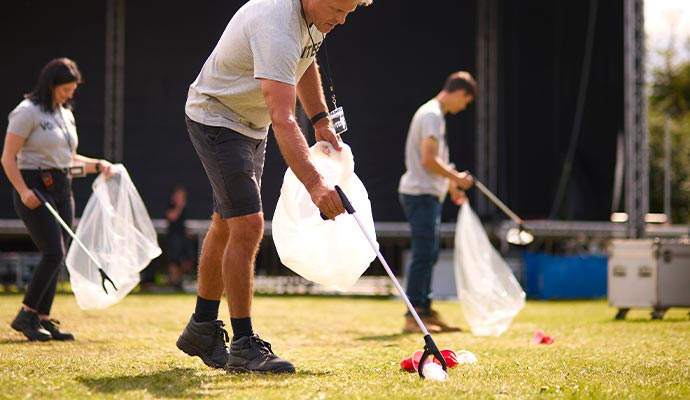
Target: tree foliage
x,y
670,99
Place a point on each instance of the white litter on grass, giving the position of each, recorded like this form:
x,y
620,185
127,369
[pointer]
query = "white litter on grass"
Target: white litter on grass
x,y
434,372
465,357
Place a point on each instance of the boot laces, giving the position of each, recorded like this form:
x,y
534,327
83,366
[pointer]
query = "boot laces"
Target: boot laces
x,y
221,332
263,346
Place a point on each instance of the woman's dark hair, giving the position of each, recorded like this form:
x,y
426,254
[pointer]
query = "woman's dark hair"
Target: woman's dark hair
x,y
57,72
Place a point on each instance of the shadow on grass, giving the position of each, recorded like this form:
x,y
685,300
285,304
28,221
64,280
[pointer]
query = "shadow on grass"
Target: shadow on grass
x,y
665,320
174,382
383,338
184,382
15,341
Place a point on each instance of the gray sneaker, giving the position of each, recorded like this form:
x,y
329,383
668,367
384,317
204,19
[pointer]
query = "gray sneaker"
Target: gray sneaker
x,y
251,354
205,340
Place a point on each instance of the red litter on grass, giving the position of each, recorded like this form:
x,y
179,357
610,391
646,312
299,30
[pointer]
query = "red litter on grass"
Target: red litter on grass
x,y
450,357
411,363
541,338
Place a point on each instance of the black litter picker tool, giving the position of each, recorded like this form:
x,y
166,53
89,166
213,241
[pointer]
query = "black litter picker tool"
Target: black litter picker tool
x,y
104,276
518,236
429,345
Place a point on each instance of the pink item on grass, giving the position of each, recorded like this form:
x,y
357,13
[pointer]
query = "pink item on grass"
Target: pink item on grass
x,y
541,338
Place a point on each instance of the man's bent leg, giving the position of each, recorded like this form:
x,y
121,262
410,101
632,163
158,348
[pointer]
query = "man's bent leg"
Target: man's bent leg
x,y
211,259
205,335
238,262
248,352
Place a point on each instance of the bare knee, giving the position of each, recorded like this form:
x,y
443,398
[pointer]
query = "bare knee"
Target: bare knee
x,y
219,228
248,229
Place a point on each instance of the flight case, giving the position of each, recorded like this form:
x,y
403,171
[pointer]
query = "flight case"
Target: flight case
x,y
649,273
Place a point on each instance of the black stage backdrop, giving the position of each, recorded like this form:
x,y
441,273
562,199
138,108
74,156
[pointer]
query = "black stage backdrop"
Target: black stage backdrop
x,y
385,61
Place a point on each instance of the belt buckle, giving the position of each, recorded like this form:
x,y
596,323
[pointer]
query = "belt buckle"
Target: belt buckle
x,y
76,171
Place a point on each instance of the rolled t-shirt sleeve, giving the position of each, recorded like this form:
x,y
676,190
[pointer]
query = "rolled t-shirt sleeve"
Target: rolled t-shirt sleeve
x,y
276,53
431,126
22,121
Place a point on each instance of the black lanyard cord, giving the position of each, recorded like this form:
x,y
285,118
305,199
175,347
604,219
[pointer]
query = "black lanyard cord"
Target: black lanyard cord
x,y
327,70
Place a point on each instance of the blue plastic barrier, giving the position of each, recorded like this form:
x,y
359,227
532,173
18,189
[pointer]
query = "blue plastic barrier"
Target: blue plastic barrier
x,y
550,277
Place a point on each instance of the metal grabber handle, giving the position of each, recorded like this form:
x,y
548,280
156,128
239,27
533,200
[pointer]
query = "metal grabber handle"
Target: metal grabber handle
x,y
520,240
429,346
104,276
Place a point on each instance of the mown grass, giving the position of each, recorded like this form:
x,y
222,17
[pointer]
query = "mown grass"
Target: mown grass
x,y
348,348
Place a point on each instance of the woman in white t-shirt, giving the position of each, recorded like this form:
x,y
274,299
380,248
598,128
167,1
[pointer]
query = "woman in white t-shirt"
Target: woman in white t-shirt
x,y
40,154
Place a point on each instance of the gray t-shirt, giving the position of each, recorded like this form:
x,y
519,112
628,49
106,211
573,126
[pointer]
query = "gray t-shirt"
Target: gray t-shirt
x,y
51,137
265,39
427,121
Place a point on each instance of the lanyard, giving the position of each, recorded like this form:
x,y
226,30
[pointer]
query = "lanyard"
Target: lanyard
x,y
63,127
328,67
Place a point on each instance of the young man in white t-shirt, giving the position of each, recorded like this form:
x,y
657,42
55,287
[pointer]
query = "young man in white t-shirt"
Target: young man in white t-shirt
x,y
423,188
263,63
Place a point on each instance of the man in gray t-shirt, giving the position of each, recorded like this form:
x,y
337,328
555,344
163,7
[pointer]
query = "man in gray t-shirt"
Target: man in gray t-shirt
x,y
263,63
423,188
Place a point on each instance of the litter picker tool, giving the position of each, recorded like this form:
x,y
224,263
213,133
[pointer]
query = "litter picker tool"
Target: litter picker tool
x,y
429,345
517,236
104,276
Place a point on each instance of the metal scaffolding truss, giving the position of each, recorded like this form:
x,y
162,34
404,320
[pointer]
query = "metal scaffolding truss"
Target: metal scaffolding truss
x,y
114,113
486,140
636,146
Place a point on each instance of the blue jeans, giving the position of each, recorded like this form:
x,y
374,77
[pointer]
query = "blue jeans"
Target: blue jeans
x,y
423,212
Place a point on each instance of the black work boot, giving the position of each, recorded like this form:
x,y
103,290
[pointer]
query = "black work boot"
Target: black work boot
x,y
51,326
27,323
205,340
251,354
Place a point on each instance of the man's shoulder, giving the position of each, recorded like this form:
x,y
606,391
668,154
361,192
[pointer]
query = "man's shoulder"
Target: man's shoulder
x,y
267,10
428,111
432,107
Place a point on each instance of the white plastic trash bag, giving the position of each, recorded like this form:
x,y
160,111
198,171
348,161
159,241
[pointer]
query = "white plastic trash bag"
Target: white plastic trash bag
x,y
489,293
331,253
117,230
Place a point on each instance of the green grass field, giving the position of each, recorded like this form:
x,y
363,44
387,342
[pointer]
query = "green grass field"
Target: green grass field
x,y
348,348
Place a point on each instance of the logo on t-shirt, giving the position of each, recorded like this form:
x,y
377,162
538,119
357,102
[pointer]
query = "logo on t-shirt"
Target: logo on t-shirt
x,y
46,125
310,50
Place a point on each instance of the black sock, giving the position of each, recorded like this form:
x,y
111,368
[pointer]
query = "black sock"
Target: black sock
x,y
241,327
206,310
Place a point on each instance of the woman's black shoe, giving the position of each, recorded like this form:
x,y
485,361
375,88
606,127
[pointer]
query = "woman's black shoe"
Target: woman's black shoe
x,y
51,326
27,323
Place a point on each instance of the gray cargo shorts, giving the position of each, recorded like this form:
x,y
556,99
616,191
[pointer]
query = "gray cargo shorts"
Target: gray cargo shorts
x,y
234,164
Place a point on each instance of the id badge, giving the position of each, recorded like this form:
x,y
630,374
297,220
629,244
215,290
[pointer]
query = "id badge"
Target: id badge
x,y
338,119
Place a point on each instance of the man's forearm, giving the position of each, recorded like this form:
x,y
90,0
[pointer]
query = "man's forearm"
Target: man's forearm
x,y
310,92
295,151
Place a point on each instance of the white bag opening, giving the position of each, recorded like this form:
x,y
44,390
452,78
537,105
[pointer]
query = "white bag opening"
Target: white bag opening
x,y
332,253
